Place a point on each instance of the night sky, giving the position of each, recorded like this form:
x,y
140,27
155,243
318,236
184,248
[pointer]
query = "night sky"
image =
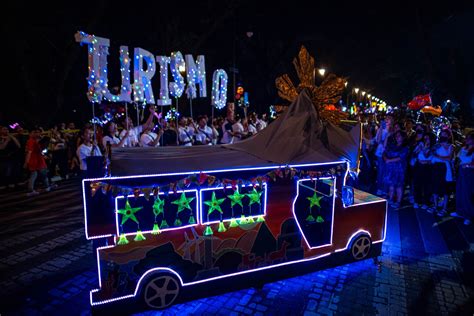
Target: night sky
x,y
393,51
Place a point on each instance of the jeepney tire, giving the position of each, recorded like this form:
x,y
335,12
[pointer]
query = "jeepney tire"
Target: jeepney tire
x,y
360,247
160,290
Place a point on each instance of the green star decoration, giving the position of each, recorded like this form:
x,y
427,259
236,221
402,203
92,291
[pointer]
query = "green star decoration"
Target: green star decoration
x,y
183,202
314,200
214,204
129,213
254,197
236,198
158,206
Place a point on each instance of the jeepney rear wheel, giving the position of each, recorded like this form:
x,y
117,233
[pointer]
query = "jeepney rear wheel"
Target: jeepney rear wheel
x,y
360,247
161,291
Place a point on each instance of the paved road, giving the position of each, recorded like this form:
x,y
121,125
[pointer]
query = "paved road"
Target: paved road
x,y
47,267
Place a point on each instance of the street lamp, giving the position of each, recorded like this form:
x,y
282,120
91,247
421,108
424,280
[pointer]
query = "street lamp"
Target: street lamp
x,y
363,93
345,83
356,90
322,71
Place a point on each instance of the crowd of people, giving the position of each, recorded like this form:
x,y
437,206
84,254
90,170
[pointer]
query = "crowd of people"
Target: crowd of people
x,y
432,165
62,151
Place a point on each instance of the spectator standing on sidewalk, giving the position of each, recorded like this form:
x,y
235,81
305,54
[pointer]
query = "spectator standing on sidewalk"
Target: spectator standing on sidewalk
x,y
35,163
443,171
381,140
465,182
422,172
395,158
9,147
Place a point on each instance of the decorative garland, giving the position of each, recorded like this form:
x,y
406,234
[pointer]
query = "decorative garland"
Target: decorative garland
x,y
206,180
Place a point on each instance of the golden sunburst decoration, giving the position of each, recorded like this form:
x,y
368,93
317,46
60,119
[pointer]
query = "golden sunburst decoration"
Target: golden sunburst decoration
x,y
329,92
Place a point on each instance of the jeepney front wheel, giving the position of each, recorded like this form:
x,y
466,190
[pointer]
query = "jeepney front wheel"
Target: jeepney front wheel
x,y
360,247
161,291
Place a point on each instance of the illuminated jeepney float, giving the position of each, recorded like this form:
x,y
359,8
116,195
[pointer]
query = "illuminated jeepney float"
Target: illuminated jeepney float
x,y
177,217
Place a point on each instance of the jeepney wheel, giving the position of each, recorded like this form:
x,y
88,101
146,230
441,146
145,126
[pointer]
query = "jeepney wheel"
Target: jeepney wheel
x,y
360,248
161,291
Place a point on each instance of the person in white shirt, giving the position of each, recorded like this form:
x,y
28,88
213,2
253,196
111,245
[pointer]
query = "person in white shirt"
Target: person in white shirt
x,y
262,123
150,138
132,139
227,131
249,128
185,133
204,134
253,127
87,149
111,136
238,130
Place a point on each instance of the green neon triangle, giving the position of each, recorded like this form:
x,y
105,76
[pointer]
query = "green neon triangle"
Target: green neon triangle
x,y
242,220
310,218
122,240
260,219
208,231
177,222
139,236
319,219
156,229
233,223
221,228
250,220
164,224
192,220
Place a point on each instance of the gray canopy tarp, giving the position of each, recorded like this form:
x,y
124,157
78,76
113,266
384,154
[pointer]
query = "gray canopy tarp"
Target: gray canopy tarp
x,y
297,136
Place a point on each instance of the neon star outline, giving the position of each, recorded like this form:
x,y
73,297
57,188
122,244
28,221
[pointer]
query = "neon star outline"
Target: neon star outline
x,y
314,200
214,204
254,197
129,213
158,206
183,202
236,198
